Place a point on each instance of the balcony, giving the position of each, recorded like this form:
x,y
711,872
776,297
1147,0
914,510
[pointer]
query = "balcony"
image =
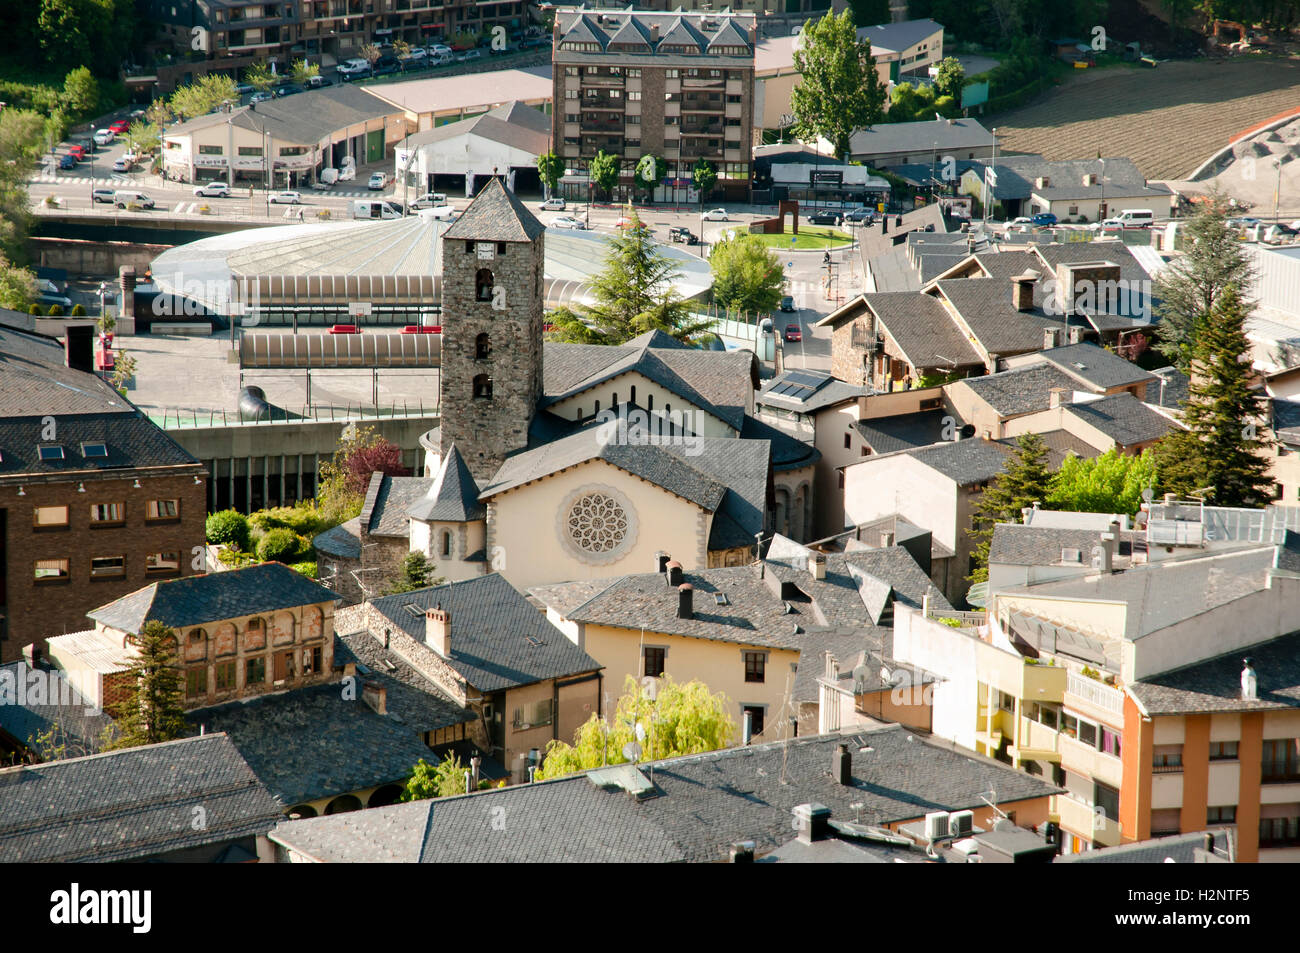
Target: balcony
x,y
1083,820
608,125
705,129
598,80
702,106
701,152
701,82
1095,699
602,102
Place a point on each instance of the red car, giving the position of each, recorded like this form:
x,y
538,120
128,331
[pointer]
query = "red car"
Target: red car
x,y
792,333
345,329
77,152
422,329
120,126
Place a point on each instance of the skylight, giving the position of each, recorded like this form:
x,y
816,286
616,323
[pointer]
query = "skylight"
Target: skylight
x,y
53,452
94,450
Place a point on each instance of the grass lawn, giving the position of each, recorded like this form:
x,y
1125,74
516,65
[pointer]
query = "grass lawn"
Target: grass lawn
x,y
810,236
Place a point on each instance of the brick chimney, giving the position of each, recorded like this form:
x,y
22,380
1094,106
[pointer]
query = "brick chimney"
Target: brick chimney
x,y
437,630
686,601
1022,290
817,565
376,696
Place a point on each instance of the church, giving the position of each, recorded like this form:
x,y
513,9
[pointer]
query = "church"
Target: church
x,y
560,462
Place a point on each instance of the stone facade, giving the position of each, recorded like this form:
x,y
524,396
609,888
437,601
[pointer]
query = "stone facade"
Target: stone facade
x,y
848,356
491,379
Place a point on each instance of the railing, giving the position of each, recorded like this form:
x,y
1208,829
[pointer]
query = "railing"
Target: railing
x,y
1095,693
712,129
182,419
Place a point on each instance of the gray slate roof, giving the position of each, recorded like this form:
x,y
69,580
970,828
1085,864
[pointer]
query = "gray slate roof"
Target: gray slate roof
x,y
1215,685
1017,545
902,431
813,390
922,329
889,138
965,462
1175,390
77,726
1021,390
1096,366
342,541
788,453
512,124
453,497
1123,418
986,307
1180,848
305,119
496,215
132,804
197,600
387,513
491,624
703,804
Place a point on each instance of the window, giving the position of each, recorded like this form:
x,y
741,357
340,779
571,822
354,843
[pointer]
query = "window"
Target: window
x,y
1223,751
634,95
483,285
482,347
162,562
1279,825
311,661
446,543
46,516
225,676
163,509
755,666
107,566
1281,760
671,74
254,671
1088,733
1111,742
51,570
755,713
483,387
652,661
250,150
634,73
51,452
570,71
1045,715
107,512
1221,815
293,150
848,442
1107,798
1167,759
210,151
94,450
1005,701
534,715
196,682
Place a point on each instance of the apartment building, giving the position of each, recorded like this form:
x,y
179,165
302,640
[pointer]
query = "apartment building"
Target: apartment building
x,y
674,85
95,499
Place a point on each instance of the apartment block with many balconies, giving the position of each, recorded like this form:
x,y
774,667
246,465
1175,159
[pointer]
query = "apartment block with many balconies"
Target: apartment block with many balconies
x,y
674,85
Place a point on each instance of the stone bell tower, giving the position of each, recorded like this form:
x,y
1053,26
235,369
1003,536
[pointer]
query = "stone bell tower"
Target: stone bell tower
x,y
492,293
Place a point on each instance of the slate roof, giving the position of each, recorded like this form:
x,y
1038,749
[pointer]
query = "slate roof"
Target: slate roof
x,y
1022,390
702,805
986,308
1017,545
1065,177
496,215
922,329
131,804
1060,444
453,497
788,453
77,725
1215,685
825,391
389,512
198,600
342,541
491,624
1052,254
965,462
743,468
306,119
412,698
847,645
1174,392
902,431
1101,369
1123,418
1180,849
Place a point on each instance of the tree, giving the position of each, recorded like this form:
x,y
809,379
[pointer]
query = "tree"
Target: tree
x,y
277,545
839,90
1022,482
747,275
951,78
17,286
259,76
228,527
604,172
650,171
151,711
81,91
370,53
202,96
401,49
1110,483
344,479
634,293
416,573
1189,287
444,779
301,71
143,137
705,177
1221,452
682,719
123,370
550,167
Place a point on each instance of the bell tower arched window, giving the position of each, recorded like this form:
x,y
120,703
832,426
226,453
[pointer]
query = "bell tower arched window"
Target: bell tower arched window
x,y
483,387
483,284
482,346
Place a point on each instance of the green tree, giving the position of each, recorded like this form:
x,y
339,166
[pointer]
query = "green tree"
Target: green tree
x,y
143,137
839,90
604,172
1222,451
301,71
361,451
1022,482
202,96
444,779
228,527
81,91
370,53
1189,287
550,167
259,76
1110,483
634,293
54,311
705,177
78,311
401,49
682,719
17,286
277,545
124,366
747,275
415,573
151,711
950,79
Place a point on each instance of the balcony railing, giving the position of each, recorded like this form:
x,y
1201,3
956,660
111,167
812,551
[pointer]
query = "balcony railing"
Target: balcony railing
x,y
710,129
1095,693
588,80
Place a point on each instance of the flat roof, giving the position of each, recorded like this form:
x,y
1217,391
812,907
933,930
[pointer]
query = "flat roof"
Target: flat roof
x,y
487,90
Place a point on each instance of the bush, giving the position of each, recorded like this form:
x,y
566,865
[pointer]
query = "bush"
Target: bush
x,y
277,545
306,568
55,311
304,519
34,309
229,527
78,311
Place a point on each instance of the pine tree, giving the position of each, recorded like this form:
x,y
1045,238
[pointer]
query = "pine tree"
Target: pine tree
x,y
151,711
1023,481
1221,452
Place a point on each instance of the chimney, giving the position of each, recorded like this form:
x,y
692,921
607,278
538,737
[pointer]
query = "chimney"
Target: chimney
x,y
661,561
376,696
350,670
32,655
674,573
1249,682
747,727
654,33
842,765
1054,396
986,436
817,565
1022,290
686,601
886,540
1103,554
1043,182
126,284
79,348
1209,843
1090,178
742,852
1026,514
437,630
812,821
1051,338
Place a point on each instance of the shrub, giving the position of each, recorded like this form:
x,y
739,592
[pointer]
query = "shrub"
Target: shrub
x,y
277,545
229,527
306,568
34,309
304,519
78,311
56,311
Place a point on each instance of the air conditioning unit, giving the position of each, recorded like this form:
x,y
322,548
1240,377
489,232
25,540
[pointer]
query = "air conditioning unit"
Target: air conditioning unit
x,y
961,823
936,826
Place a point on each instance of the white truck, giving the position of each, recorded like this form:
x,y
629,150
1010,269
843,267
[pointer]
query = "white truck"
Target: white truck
x,y
376,209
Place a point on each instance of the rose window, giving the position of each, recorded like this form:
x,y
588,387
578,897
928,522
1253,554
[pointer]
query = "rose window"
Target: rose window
x,y
597,523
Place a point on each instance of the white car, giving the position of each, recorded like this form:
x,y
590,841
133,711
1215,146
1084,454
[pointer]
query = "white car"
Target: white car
x,y
104,137
429,200
438,49
286,198
716,215
354,67
213,190
567,221
553,204
417,53
378,180
469,55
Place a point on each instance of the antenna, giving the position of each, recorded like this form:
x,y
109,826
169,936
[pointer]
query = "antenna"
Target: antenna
x,y
990,798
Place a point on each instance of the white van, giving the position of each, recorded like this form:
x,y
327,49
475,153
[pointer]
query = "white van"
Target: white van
x,y
123,199
377,210
1134,217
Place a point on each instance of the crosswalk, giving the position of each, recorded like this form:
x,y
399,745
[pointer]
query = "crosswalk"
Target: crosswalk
x,y
122,181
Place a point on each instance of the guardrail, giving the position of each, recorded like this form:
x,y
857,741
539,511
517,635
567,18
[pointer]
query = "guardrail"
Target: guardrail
x,y
1095,693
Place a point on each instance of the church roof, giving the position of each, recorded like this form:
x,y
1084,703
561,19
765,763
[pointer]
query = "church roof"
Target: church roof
x,y
453,498
496,215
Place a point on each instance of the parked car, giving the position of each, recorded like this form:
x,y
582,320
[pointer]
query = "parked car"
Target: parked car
x,y
288,90
46,287
468,55
793,332
417,54
429,200
213,190
438,49
345,329
103,195
119,126
67,162
553,204
122,199
567,221
787,305
319,82
683,235
265,96
1245,221
121,164
378,181
858,216
63,301
824,218
104,137
442,59
1043,219
716,215
286,198
353,68
78,152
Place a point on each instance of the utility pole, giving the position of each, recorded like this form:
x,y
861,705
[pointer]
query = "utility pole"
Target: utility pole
x,y
1277,193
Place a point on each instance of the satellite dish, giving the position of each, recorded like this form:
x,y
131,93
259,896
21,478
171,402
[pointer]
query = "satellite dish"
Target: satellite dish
x,y
650,685
640,731
1148,494
632,751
